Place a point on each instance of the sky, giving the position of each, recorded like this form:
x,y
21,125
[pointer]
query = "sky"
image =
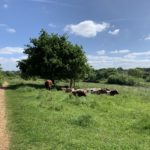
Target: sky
x,y
113,33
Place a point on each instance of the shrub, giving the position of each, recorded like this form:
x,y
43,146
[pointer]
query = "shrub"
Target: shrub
x,y
1,79
131,81
148,79
121,80
83,120
137,72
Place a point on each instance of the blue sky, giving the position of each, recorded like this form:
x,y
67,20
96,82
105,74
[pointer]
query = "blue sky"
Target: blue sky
x,y
113,33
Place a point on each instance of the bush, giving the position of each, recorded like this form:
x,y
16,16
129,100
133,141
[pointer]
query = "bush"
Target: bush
x,y
121,80
1,79
148,79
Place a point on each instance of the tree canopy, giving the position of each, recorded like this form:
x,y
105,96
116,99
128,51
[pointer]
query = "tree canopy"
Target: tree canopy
x,y
53,56
0,68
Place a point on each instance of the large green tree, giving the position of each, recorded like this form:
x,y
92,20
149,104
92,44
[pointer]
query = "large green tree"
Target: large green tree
x,y
51,56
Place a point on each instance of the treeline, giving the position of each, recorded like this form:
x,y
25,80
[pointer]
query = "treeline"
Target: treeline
x,y
106,75
1,76
119,76
6,75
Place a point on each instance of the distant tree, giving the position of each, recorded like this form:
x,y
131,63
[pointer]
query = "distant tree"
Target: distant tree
x,y
121,79
1,75
105,73
54,57
120,69
137,72
0,68
91,75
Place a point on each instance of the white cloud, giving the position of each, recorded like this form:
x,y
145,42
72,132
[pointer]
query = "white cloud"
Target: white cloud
x,y
9,63
5,6
11,50
8,57
115,32
11,30
101,52
7,28
144,53
120,51
87,28
147,38
138,54
51,25
131,60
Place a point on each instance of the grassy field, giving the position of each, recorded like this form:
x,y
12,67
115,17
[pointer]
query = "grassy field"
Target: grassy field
x,y
52,120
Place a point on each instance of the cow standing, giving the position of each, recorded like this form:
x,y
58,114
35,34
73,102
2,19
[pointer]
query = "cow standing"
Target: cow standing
x,y
48,84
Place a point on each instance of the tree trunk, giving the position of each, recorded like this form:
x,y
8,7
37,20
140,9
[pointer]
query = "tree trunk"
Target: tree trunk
x,y
74,83
71,83
53,81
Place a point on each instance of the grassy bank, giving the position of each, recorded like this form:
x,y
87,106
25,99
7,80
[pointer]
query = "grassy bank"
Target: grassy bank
x,y
52,120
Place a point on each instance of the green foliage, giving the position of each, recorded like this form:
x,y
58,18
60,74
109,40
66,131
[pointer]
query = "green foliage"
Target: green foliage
x,y
91,76
148,78
11,74
101,74
1,82
0,68
1,76
105,73
137,72
119,76
121,80
54,57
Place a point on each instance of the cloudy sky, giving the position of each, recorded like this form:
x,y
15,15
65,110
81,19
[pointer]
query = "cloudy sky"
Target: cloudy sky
x,y
113,33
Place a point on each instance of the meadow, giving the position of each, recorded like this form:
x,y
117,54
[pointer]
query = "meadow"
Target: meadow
x,y
39,119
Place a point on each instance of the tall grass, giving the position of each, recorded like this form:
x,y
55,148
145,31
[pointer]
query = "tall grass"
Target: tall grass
x,y
52,120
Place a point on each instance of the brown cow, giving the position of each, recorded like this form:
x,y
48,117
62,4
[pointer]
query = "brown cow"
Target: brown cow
x,y
48,84
100,91
113,92
79,93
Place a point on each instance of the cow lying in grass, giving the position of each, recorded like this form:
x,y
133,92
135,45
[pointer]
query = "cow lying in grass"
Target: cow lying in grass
x,y
113,92
104,91
83,92
79,93
100,91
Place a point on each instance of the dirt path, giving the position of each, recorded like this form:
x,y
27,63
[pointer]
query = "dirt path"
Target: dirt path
x,y
4,142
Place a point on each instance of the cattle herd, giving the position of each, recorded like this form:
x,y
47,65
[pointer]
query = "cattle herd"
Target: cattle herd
x,y
81,92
